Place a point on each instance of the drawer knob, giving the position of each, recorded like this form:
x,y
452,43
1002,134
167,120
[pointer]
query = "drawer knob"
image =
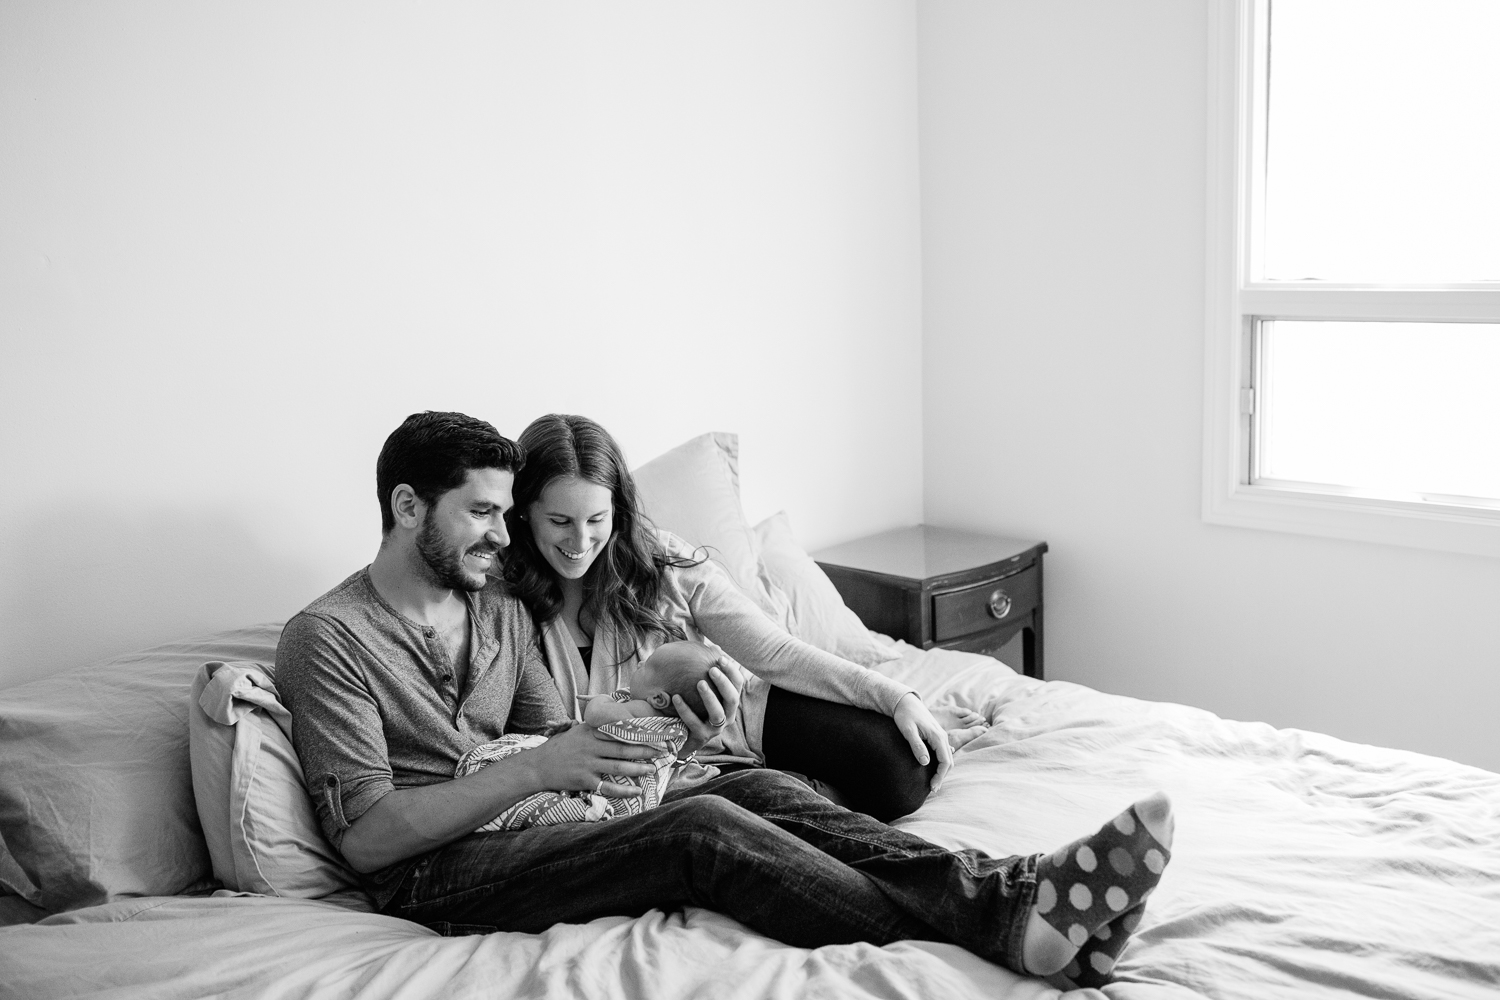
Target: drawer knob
x,y
999,604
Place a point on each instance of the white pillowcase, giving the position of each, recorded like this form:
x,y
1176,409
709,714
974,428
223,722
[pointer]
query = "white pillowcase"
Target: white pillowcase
x,y
262,833
805,602
693,491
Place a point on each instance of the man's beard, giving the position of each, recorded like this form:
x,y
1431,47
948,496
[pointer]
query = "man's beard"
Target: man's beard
x,y
445,563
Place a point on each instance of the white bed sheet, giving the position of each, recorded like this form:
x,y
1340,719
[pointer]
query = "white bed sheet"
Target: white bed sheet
x,y
1303,867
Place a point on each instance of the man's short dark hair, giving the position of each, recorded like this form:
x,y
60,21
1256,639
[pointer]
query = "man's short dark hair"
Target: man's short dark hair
x,y
432,452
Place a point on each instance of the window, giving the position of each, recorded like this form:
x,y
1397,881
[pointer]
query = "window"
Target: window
x,y
1353,328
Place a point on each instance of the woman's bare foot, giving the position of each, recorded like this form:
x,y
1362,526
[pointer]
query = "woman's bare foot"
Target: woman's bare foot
x,y
968,726
960,738
1097,882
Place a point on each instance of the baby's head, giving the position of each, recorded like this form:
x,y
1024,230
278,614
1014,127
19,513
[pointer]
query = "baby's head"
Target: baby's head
x,y
675,668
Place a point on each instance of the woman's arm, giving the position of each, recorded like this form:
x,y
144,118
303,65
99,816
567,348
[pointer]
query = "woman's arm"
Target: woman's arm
x,y
729,619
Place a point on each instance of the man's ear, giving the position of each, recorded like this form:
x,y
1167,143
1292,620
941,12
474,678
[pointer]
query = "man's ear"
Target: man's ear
x,y
406,507
660,700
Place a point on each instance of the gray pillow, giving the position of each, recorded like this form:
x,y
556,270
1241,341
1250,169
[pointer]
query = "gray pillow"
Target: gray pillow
x,y
96,791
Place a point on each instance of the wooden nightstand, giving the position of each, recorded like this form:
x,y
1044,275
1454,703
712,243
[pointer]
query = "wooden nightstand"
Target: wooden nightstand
x,y
939,587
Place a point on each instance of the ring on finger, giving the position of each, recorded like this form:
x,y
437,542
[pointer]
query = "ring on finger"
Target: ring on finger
x,y
599,788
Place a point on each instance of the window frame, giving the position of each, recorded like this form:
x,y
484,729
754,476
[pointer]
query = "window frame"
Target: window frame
x,y
1236,95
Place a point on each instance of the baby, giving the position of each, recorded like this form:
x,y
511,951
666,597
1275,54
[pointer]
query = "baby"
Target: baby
x,y
641,714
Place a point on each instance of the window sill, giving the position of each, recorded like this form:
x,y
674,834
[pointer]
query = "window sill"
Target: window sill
x,y
1447,527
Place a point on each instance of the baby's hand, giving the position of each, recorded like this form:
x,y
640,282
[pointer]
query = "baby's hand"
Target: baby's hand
x,y
595,708
555,726
599,709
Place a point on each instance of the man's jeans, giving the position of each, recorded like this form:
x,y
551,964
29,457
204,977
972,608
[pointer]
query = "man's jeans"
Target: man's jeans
x,y
757,845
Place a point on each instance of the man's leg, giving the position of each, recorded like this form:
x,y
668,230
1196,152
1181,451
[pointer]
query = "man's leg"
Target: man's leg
x,y
967,897
764,848
1029,914
702,851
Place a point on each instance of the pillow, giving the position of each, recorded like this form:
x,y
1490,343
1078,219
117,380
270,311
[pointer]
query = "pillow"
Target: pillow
x,y
96,796
262,834
693,491
806,603
13,881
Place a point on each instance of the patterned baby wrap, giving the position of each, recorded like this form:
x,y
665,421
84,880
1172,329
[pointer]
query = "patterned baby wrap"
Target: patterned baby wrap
x,y
546,808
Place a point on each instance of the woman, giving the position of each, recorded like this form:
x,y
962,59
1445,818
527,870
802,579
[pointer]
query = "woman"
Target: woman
x,y
606,589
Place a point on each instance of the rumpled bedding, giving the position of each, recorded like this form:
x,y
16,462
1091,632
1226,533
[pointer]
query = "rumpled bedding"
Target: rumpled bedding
x,y
1303,867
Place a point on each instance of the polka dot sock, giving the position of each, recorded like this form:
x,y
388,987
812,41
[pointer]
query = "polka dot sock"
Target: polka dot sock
x,y
1096,959
1085,890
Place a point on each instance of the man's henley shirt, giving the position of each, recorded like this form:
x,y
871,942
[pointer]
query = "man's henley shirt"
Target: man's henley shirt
x,y
377,703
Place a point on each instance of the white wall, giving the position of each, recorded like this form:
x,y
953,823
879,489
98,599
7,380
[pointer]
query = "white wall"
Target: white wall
x,y
240,241
1063,226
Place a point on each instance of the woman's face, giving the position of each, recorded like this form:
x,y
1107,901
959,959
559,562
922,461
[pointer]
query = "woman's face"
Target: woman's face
x,y
570,523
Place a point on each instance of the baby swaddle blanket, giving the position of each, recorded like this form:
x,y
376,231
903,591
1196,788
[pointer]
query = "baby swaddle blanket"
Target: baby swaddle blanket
x,y
546,808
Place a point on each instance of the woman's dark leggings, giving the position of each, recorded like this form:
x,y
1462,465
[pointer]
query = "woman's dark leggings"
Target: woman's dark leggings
x,y
856,757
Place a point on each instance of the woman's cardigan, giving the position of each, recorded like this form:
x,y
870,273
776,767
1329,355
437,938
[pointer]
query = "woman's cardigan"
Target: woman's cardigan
x,y
704,602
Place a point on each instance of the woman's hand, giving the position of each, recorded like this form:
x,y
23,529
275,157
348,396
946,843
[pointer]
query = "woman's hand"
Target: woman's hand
x,y
720,703
922,731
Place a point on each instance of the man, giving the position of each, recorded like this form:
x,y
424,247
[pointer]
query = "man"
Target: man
x,y
399,670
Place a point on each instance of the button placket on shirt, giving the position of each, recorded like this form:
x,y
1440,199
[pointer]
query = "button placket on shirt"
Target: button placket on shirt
x,y
446,687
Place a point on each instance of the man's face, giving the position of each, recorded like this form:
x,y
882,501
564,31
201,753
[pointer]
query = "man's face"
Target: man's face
x,y
463,532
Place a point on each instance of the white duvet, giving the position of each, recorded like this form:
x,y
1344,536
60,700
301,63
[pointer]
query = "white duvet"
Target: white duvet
x,y
1303,867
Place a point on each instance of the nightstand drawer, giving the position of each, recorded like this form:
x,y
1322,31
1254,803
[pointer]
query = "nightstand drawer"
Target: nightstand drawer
x,y
984,605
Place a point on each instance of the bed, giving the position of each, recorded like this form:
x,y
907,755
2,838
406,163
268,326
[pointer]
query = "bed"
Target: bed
x,y
1303,866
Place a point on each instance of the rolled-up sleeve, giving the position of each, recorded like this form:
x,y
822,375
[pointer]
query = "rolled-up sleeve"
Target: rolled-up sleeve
x,y
336,722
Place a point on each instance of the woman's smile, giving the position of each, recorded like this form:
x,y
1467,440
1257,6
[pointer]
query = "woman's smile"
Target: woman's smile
x,y
571,521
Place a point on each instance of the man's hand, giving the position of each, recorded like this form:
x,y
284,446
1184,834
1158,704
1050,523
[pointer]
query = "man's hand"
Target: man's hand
x,y
922,731
579,759
409,821
720,703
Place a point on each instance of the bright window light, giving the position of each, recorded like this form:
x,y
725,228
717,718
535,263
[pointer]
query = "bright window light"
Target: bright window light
x,y
1407,411
1352,347
1382,145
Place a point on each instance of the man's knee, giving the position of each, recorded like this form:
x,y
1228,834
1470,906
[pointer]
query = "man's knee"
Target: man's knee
x,y
710,813
759,788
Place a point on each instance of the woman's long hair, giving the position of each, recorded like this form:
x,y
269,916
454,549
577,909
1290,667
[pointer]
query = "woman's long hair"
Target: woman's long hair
x,y
625,581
